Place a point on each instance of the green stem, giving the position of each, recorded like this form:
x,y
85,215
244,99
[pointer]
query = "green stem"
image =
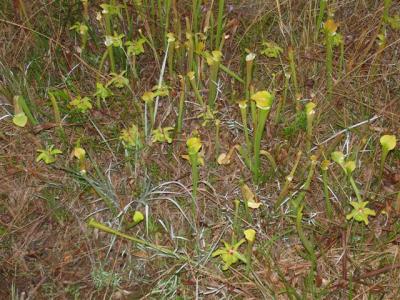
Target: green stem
x,y
262,118
110,50
322,7
355,188
288,182
195,89
297,203
306,243
329,63
293,75
218,37
328,205
181,105
243,112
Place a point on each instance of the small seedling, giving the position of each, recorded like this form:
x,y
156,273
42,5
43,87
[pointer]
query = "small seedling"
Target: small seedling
x,y
114,40
271,49
360,212
131,138
48,155
102,93
81,104
230,254
134,49
82,30
118,80
162,135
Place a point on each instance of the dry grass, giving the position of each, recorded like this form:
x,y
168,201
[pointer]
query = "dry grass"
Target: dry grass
x,y
48,252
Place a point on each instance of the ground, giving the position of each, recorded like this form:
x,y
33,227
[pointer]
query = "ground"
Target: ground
x,y
118,212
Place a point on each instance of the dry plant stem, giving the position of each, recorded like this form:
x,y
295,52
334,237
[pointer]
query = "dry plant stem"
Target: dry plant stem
x,y
285,190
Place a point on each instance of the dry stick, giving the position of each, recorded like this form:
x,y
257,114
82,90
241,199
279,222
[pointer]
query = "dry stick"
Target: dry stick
x,y
345,130
160,81
377,272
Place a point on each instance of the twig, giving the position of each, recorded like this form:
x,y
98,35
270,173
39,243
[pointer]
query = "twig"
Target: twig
x,y
345,130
